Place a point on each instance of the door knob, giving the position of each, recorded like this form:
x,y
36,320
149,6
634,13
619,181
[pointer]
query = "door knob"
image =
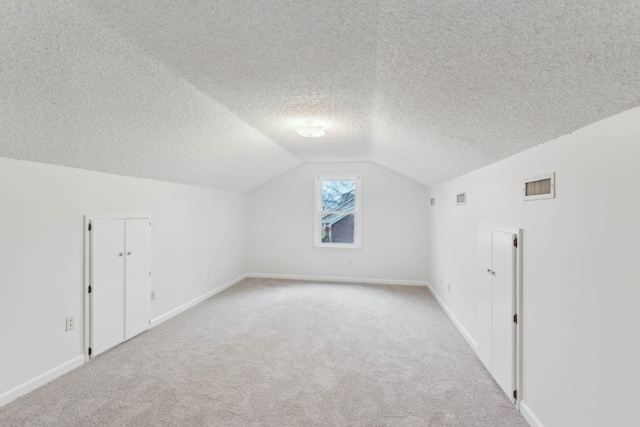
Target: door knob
x,y
120,254
493,273
129,253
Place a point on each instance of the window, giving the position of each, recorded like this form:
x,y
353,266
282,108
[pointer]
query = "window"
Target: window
x,y
337,211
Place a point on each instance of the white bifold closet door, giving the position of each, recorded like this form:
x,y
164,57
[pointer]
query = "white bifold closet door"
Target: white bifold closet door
x,y
497,306
504,308
485,297
107,284
120,281
137,278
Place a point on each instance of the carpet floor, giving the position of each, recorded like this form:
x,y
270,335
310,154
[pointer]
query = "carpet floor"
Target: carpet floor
x,y
283,353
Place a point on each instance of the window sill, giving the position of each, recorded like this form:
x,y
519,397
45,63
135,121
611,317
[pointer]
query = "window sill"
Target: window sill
x,y
340,247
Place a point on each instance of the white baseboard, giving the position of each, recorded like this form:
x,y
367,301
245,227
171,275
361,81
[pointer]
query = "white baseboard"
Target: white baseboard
x,y
337,279
168,315
528,415
454,319
41,380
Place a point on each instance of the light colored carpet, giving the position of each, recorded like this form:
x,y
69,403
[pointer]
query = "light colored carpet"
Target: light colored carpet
x,y
283,353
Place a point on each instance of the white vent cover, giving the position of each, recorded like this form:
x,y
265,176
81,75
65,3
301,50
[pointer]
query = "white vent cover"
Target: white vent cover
x,y
461,198
433,202
540,187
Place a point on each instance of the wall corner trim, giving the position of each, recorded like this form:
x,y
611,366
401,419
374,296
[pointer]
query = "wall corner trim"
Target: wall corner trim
x,y
528,415
337,279
174,312
40,380
454,319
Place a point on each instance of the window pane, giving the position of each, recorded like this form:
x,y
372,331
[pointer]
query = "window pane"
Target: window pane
x,y
338,228
338,195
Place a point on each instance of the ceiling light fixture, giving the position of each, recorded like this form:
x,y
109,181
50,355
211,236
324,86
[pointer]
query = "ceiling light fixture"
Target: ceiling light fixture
x,y
310,130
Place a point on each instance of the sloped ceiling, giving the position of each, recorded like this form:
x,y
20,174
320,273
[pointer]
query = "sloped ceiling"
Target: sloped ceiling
x,y
430,89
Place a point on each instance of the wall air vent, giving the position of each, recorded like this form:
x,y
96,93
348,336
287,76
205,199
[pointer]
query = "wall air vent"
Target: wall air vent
x,y
461,198
433,202
540,187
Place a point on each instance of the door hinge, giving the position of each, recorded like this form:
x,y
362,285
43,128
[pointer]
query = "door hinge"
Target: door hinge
x,y
89,351
90,227
515,318
515,394
515,242
89,288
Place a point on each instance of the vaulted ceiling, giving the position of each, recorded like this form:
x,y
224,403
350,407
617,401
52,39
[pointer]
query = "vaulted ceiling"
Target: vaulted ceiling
x,y
430,89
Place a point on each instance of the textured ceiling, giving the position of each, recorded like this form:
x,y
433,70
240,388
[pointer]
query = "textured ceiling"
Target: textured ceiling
x,y
431,89
269,62
74,93
461,84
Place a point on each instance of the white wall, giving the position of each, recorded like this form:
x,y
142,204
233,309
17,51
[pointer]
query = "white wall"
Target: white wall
x,y
280,226
581,271
76,93
197,245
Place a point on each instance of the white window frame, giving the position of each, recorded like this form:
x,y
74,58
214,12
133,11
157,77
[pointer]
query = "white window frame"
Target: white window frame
x,y
357,213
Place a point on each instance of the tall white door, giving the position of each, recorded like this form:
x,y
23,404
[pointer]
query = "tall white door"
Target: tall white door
x,y
503,307
496,292
107,284
138,280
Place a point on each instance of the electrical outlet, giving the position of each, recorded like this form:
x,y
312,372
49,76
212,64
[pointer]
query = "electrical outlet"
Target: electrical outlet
x,y
153,295
69,325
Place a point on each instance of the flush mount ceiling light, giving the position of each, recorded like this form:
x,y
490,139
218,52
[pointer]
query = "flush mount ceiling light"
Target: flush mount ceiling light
x,y
310,130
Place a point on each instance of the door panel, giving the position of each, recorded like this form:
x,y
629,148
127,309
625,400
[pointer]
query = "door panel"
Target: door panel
x,y
138,281
107,284
484,295
503,326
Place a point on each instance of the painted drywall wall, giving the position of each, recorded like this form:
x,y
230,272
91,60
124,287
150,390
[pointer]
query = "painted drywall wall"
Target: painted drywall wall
x,y
280,226
197,245
77,93
581,289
